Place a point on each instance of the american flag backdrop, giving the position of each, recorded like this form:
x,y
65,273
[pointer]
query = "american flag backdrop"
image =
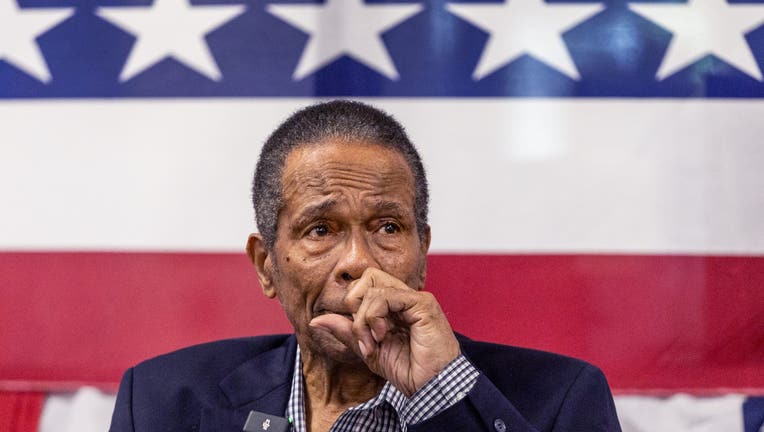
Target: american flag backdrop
x,y
596,170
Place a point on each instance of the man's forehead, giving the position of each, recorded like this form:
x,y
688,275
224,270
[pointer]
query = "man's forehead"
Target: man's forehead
x,y
327,203
352,164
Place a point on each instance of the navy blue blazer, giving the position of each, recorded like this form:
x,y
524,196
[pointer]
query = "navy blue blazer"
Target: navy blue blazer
x,y
212,387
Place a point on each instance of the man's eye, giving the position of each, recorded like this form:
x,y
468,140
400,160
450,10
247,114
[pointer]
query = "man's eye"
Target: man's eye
x,y
390,228
319,230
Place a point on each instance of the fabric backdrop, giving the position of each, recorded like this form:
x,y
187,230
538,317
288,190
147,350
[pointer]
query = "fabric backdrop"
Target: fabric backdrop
x,y
595,168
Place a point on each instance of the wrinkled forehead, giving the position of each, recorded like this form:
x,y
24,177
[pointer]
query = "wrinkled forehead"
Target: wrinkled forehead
x,y
369,168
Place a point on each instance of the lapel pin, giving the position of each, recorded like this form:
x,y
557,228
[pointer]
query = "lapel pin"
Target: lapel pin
x,y
258,421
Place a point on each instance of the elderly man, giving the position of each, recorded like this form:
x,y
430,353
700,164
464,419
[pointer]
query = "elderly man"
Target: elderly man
x,y
341,202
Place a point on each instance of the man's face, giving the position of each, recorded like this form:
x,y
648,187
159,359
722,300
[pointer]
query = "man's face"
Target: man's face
x,y
348,206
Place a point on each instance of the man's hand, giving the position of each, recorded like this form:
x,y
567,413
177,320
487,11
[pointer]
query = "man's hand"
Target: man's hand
x,y
400,333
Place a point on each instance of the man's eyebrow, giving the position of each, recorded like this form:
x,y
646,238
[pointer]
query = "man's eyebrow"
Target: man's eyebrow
x,y
390,207
314,210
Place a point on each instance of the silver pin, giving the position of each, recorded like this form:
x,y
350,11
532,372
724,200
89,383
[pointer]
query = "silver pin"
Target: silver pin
x,y
260,421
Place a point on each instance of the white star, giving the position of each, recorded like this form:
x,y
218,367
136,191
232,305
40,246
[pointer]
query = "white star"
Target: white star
x,y
344,27
520,27
170,28
702,27
18,30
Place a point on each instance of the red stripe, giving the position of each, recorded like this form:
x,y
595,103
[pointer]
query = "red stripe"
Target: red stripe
x,y
20,411
653,323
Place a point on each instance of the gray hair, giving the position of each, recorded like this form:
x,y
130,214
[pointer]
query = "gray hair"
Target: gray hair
x,y
339,119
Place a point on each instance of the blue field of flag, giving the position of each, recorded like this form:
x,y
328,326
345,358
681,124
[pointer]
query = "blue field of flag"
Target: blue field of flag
x,y
517,48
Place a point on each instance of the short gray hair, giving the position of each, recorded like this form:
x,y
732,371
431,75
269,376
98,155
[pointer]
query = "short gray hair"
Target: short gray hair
x,y
339,119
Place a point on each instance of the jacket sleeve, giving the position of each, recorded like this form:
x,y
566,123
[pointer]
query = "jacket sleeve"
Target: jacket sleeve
x,y
587,406
483,409
122,418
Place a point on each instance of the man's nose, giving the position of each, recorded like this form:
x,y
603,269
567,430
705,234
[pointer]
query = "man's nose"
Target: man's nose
x,y
357,256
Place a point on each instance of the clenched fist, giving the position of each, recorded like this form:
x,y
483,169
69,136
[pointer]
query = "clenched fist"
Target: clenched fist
x,y
400,333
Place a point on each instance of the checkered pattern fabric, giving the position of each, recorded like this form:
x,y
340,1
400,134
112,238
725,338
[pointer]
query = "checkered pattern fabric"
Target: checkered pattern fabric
x,y
390,410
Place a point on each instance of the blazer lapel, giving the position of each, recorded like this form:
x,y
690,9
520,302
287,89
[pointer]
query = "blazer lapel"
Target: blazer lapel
x,y
261,384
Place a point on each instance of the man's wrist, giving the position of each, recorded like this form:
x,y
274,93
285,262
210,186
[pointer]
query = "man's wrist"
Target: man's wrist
x,y
442,391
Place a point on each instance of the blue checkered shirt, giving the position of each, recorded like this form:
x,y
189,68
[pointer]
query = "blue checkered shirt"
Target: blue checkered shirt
x,y
390,410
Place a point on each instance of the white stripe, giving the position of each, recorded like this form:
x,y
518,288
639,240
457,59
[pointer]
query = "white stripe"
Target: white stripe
x,y
680,413
597,175
87,410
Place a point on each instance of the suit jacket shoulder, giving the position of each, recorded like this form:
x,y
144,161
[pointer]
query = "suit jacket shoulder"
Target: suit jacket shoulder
x,y
207,387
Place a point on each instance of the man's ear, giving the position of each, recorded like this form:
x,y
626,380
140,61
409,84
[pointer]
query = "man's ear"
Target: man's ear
x,y
425,246
261,259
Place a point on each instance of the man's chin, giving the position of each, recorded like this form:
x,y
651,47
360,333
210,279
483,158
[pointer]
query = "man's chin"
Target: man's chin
x,y
324,344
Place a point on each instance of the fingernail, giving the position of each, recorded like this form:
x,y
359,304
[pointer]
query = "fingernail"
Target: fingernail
x,y
362,347
374,335
313,323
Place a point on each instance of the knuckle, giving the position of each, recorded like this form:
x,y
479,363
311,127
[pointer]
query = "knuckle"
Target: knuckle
x,y
372,271
358,328
429,304
428,297
369,273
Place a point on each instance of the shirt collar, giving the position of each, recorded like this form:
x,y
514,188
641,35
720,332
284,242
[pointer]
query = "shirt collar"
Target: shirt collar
x,y
295,411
